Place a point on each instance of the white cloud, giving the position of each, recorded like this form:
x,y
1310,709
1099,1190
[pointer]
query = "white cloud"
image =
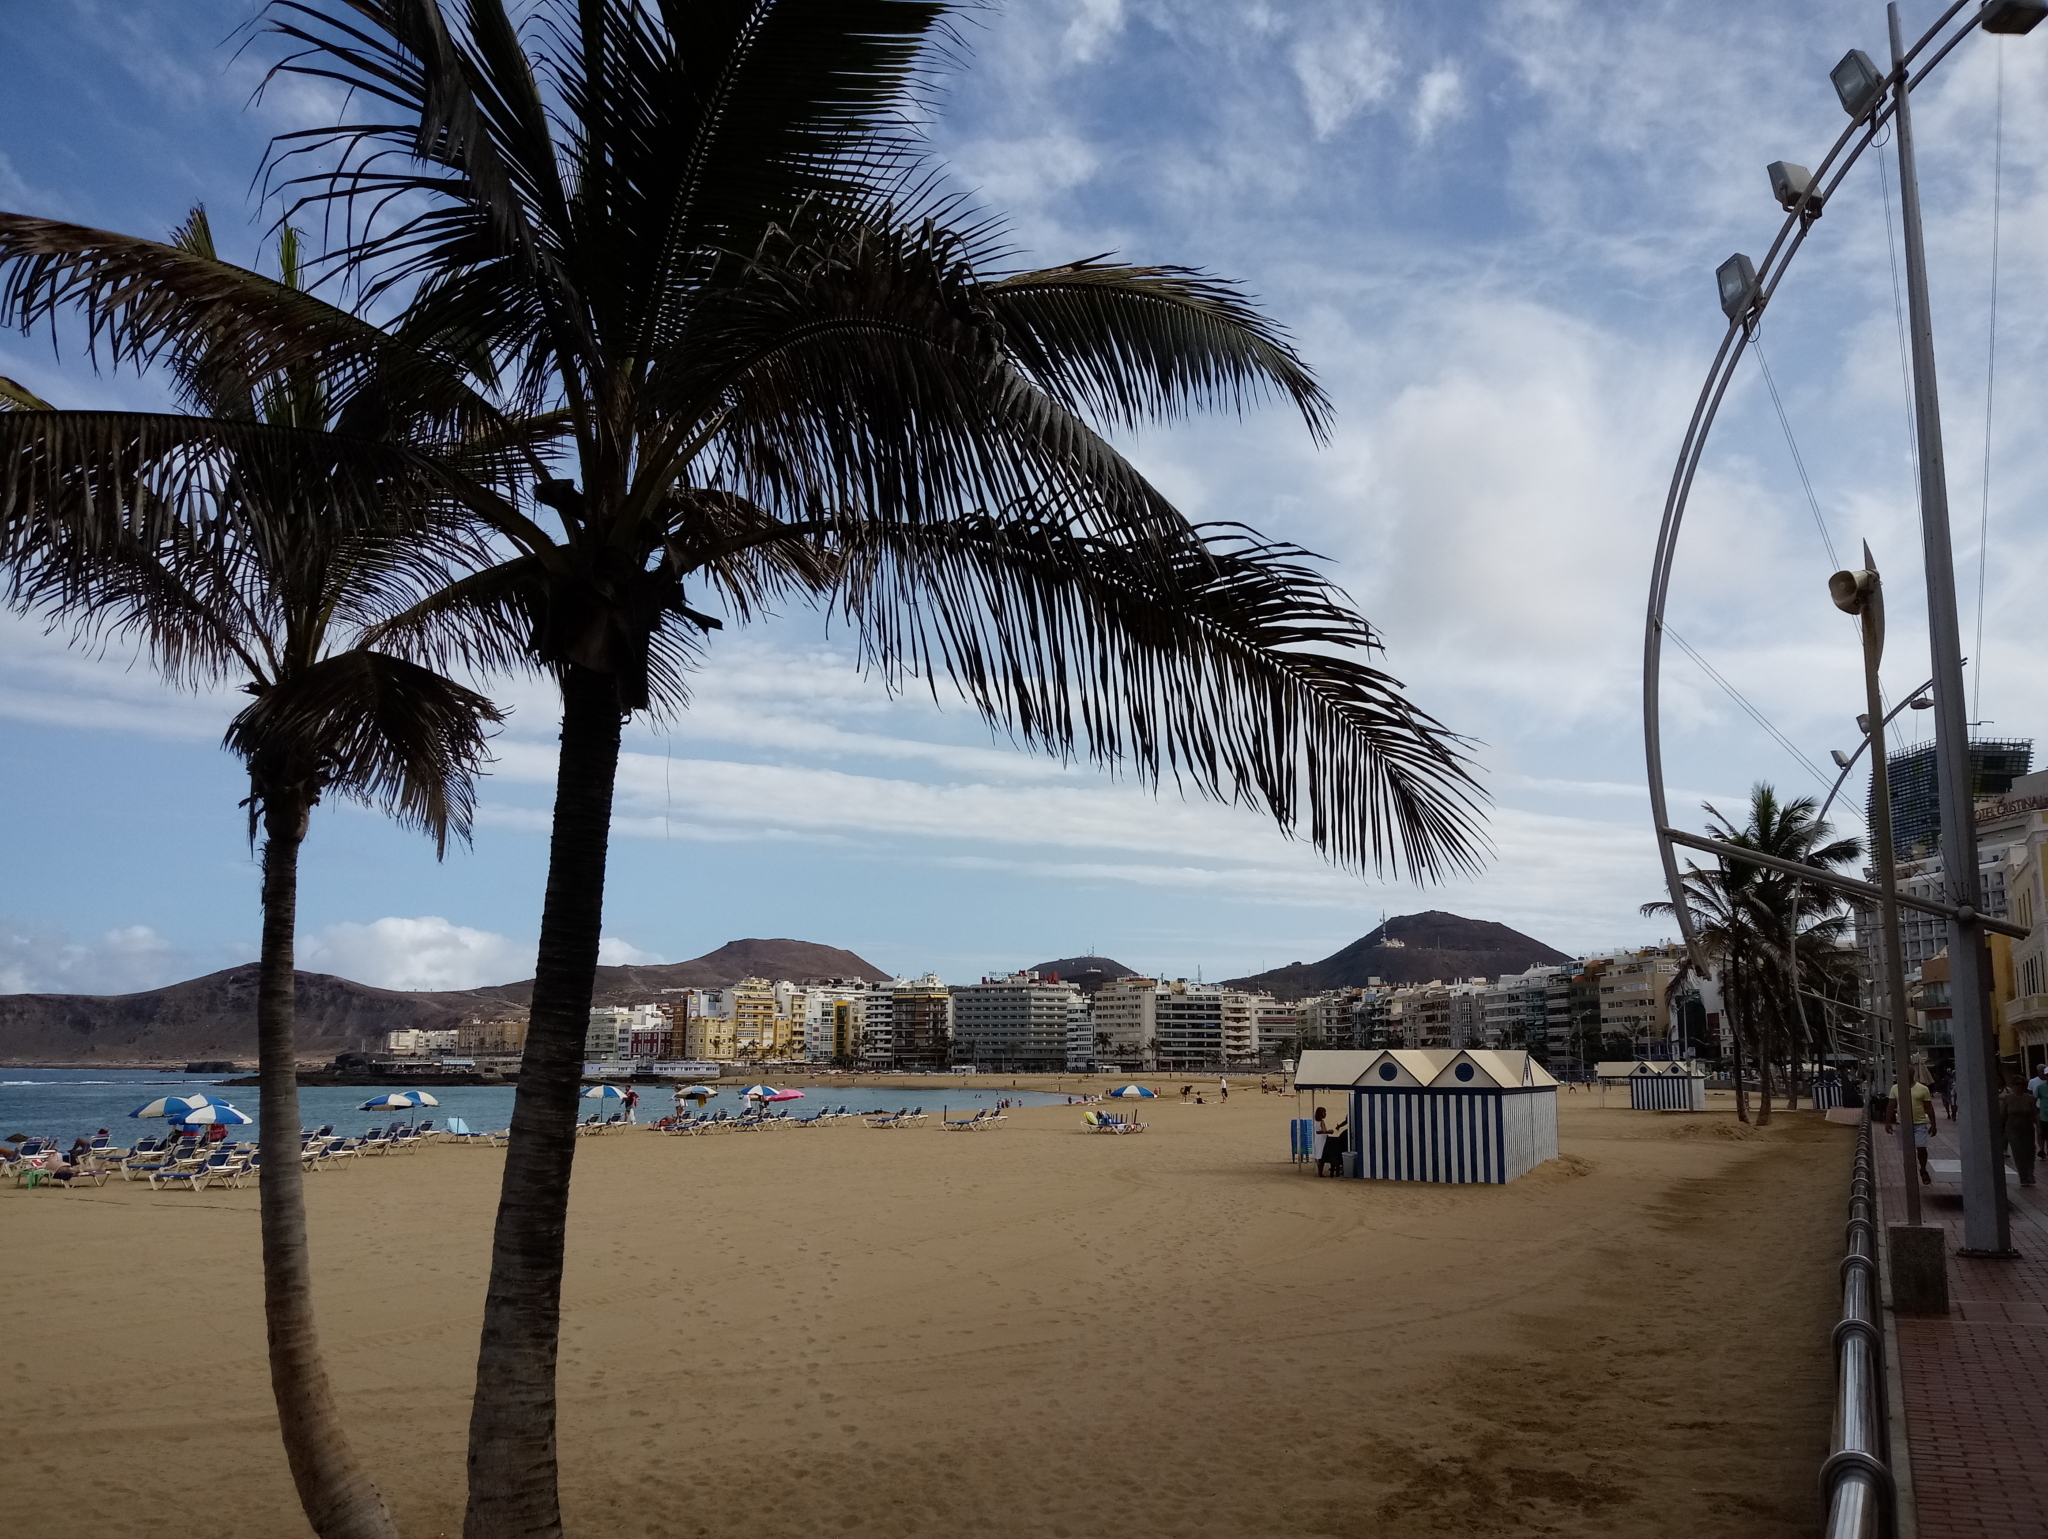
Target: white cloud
x,y
613,952
39,959
424,953
1093,25
1439,99
1342,72
433,953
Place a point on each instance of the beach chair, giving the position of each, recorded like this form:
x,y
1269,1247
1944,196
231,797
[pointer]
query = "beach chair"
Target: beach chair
x,y
103,1148
960,1125
189,1177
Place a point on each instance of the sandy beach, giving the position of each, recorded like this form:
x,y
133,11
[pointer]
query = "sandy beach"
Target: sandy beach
x,y
1026,1331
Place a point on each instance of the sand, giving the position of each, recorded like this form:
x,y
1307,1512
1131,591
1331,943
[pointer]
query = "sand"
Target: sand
x,y
1027,1331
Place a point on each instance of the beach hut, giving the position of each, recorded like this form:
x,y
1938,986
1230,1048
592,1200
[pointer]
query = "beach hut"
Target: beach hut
x,y
1656,1084
1439,1114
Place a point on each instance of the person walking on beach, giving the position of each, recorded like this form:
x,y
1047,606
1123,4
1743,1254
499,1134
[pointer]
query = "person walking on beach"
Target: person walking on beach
x,y
631,1102
2019,1117
1222,1088
1923,1120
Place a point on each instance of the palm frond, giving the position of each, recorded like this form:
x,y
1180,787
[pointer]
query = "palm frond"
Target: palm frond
x,y
18,397
1242,673
378,729
1129,345
138,298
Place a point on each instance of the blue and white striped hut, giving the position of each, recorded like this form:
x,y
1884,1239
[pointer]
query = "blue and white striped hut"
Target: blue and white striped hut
x,y
1655,1084
1440,1114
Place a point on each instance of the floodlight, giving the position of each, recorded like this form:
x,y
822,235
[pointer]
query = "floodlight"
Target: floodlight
x,y
1922,704
1842,760
1736,279
1790,183
1863,724
1851,592
2012,15
1858,82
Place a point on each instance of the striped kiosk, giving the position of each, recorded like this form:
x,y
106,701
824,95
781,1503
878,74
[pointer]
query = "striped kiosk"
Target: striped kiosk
x,y
1452,1115
1674,1086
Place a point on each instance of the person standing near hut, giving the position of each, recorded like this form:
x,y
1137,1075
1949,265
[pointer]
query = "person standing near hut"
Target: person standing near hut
x,y
1329,1145
1923,1120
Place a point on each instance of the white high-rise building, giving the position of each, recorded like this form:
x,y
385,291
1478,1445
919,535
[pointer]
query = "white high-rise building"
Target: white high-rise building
x,y
1016,1023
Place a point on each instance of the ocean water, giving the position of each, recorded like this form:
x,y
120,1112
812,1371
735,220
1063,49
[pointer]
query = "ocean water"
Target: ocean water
x,y
75,1103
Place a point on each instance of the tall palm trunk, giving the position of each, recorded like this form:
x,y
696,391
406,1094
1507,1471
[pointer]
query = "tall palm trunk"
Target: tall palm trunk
x,y
1764,1046
512,1489
339,1500
1730,993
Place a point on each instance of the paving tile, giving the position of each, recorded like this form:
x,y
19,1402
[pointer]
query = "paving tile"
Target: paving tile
x,y
1976,1382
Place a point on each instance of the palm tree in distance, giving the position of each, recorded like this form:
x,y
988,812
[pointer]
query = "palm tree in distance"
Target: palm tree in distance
x,y
256,540
1742,915
703,238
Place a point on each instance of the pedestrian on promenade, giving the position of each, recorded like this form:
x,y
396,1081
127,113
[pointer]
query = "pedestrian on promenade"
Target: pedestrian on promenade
x,y
1923,1120
2019,1117
1945,1087
2040,1089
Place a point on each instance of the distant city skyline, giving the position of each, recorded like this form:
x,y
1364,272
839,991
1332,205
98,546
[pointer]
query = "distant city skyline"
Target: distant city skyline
x,y
1492,229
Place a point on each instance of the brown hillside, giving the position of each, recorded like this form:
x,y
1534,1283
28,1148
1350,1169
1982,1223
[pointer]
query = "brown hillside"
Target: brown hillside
x,y
1412,948
215,1016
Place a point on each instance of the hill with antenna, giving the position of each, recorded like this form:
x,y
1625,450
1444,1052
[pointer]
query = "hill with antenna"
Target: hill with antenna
x,y
1090,972
1411,948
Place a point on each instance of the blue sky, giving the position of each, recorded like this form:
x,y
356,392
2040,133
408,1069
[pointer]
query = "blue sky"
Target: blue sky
x,y
1492,228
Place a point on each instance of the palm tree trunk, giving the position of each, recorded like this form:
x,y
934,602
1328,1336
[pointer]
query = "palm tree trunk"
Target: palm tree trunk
x,y
1735,1039
1764,1045
512,1486
339,1500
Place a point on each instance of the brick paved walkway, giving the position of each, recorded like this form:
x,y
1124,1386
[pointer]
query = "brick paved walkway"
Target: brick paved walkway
x,y
1976,1383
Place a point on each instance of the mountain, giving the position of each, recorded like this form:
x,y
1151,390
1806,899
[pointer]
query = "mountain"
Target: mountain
x,y
1090,972
215,1016
1412,948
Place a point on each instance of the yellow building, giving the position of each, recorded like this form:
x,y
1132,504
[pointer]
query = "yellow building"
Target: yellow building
x,y
488,1037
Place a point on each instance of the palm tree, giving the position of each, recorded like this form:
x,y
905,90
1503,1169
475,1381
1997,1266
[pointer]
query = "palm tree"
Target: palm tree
x,y
1742,915
704,238
257,539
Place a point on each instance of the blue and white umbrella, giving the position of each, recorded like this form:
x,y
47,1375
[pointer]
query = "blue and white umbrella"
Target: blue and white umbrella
x,y
763,1091
423,1098
219,1111
176,1105
391,1100
697,1093
604,1093
1135,1093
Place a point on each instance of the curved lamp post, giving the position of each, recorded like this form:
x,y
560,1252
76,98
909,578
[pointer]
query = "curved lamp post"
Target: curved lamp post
x,y
1874,100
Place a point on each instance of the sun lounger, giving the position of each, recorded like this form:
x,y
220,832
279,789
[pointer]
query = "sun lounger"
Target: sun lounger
x,y
190,1177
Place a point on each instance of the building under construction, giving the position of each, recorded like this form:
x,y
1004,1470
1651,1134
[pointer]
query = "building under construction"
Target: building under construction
x,y
1916,791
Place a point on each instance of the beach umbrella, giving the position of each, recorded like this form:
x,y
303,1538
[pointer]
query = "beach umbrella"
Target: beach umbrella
x,y
697,1093
1135,1092
176,1105
763,1091
785,1095
604,1093
422,1098
457,1125
391,1100
218,1111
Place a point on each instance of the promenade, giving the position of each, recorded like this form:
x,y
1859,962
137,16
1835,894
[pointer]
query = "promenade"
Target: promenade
x,y
1975,1383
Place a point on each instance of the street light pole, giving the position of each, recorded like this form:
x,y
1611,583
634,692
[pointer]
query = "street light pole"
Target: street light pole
x,y
1862,595
1985,1217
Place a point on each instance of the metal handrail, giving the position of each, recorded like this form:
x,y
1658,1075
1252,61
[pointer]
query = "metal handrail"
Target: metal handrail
x,y
1856,1477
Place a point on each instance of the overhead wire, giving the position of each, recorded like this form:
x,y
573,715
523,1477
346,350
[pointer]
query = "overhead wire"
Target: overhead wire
x,y
1751,710
1756,343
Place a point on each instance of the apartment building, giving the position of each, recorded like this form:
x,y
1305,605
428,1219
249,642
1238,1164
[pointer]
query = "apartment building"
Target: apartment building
x,y
1016,1023
920,1023
416,1043
1170,1026
835,1020
608,1036
490,1038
